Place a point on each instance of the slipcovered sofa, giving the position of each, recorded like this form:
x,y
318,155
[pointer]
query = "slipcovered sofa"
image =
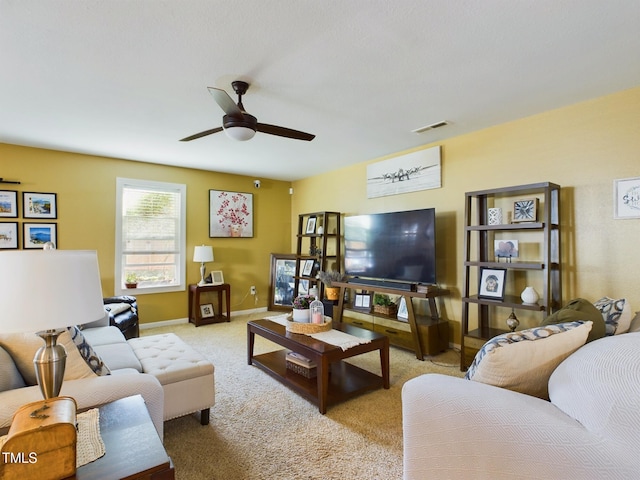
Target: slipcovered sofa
x,y
589,428
103,366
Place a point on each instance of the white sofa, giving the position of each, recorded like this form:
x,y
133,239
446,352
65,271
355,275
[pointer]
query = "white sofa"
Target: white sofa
x,y
161,368
589,429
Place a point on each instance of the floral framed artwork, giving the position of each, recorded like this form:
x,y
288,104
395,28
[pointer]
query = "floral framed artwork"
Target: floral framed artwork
x,y
39,205
230,214
35,235
8,235
8,204
626,198
492,283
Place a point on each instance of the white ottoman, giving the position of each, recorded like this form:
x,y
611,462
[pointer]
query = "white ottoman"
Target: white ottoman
x,y
186,376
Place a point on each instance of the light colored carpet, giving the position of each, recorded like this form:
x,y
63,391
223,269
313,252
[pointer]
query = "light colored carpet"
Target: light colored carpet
x,y
262,430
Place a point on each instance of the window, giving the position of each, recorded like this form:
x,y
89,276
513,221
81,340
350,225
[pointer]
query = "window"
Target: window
x,y
150,236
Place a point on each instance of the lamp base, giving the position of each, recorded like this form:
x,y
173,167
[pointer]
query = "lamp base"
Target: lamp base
x,y
49,362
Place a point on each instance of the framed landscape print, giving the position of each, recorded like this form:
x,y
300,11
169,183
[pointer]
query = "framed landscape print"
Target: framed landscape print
x,y
8,235
35,235
8,204
39,205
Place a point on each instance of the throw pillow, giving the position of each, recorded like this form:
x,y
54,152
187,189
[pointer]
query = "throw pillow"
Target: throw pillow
x,y
616,314
577,310
10,377
87,352
635,323
22,347
523,361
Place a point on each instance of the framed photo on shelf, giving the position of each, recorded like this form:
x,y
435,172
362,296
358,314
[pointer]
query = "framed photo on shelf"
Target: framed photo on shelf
x,y
308,268
8,204
362,300
39,205
525,210
492,283
8,235
311,225
206,310
506,248
35,235
626,198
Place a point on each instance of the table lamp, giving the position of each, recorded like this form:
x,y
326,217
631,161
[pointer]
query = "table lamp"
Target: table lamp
x,y
202,254
45,291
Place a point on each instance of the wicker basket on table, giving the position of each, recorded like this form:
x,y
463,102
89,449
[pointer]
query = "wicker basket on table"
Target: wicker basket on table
x,y
308,328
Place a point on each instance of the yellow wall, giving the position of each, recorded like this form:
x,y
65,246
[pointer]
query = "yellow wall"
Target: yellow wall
x,y
86,187
583,148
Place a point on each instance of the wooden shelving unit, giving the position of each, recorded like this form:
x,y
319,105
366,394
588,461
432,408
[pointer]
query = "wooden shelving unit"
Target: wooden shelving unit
x,y
479,253
321,244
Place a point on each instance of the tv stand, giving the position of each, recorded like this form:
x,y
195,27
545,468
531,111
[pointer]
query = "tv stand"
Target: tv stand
x,y
428,335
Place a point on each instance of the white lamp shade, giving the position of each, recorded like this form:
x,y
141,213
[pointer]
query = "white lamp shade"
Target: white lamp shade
x,y
49,289
240,133
203,254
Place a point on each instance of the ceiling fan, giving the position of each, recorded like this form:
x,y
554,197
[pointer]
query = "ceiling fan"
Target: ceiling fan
x,y
240,125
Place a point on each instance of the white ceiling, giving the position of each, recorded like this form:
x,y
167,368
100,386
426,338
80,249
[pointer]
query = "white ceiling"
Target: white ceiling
x,y
129,78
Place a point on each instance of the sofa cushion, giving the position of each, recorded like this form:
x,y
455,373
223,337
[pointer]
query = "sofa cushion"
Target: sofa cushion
x,y
616,314
635,323
104,336
87,352
118,356
523,361
599,386
10,377
577,310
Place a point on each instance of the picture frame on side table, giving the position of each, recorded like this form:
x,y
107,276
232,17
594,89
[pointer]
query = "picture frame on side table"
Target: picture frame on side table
x,y
39,205
8,204
492,283
207,311
35,235
8,235
525,210
626,198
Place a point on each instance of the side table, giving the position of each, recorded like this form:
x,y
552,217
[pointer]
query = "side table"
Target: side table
x,y
195,314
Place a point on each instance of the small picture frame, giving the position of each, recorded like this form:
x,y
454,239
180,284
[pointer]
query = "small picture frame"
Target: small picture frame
x,y
8,204
525,210
307,269
492,283
362,300
39,205
217,278
207,311
403,313
506,248
311,225
626,198
8,235
35,235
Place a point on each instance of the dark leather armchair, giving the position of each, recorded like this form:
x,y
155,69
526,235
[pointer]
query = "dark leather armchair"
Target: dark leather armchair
x,y
126,320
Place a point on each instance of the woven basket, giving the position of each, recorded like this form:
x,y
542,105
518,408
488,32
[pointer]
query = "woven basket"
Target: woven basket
x,y
390,310
307,328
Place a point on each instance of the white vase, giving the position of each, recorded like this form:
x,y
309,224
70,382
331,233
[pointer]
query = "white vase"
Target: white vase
x,y
529,295
302,316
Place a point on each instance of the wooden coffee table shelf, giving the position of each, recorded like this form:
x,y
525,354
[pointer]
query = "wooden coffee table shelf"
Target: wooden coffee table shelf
x,y
336,380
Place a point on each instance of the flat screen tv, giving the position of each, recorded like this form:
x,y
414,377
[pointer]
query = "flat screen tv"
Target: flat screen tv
x,y
396,246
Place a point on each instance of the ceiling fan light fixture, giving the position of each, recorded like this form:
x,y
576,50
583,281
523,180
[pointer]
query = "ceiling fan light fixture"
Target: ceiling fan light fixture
x,y
241,134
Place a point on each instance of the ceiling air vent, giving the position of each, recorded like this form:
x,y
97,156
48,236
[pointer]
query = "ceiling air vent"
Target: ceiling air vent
x,y
430,127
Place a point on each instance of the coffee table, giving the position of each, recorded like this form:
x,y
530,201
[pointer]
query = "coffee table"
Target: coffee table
x,y
336,380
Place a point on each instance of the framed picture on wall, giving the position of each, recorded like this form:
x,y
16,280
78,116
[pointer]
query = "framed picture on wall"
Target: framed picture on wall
x,y
230,214
626,198
39,205
8,235
35,235
8,204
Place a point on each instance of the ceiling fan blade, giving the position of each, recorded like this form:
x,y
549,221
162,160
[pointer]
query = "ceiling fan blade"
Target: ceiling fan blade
x,y
284,132
201,134
226,103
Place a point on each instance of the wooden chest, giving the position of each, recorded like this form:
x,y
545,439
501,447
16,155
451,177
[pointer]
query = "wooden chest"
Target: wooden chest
x,y
41,442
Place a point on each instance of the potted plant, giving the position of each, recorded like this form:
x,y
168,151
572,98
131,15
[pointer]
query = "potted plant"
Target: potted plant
x,y
328,277
382,303
301,311
131,280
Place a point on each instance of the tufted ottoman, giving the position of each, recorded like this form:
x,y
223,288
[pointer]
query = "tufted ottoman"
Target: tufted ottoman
x,y
186,376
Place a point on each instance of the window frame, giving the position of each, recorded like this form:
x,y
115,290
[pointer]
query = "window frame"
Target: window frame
x,y
181,189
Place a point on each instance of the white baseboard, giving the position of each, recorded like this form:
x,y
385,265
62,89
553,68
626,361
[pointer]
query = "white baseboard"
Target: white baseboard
x,y
179,321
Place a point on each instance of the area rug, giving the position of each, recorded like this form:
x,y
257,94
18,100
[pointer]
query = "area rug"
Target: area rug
x,y
260,429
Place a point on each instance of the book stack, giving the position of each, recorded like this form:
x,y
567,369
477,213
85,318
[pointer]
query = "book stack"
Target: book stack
x,y
301,365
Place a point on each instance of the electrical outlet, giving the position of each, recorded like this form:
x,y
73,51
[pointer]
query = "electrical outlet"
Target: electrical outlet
x,y
253,290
